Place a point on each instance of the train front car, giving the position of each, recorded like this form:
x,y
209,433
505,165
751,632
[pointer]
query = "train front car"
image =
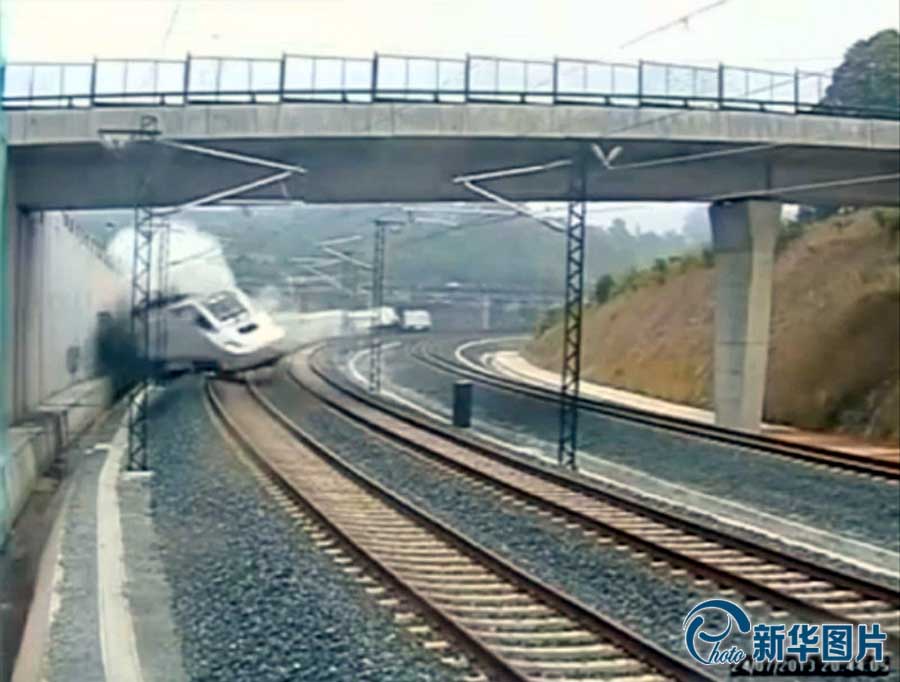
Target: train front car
x,y
222,332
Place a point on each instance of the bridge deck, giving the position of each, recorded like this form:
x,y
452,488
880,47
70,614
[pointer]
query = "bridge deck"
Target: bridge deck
x,y
402,152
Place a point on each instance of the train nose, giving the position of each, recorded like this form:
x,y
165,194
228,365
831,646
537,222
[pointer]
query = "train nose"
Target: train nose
x,y
284,346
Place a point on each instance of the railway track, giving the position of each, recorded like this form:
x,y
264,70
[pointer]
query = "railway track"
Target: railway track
x,y
886,469
510,623
738,566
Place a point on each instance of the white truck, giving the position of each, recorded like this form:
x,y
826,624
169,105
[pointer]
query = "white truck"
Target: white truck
x,y
415,321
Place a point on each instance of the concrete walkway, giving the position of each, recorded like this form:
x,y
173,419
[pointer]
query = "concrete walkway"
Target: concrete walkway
x,y
35,442
513,365
101,606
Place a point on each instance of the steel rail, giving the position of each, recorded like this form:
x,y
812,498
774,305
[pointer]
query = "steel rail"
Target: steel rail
x,y
865,588
604,627
768,444
473,647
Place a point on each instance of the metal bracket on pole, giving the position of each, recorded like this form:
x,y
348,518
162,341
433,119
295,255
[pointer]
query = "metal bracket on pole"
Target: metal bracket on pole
x,y
145,224
574,298
377,302
574,230
150,222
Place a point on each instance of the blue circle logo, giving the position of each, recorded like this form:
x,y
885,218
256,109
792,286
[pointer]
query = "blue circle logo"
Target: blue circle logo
x,y
705,644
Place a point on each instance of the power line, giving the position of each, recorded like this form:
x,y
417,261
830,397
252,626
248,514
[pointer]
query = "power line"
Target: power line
x,y
675,22
171,26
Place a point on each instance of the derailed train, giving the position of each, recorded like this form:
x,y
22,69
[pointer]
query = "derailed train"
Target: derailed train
x,y
222,332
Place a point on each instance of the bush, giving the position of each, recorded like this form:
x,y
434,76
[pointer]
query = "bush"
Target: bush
x,y
629,282
660,269
888,219
603,289
547,319
788,232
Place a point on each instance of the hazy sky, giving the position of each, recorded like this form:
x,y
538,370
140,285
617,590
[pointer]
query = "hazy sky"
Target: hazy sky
x,y
767,33
773,34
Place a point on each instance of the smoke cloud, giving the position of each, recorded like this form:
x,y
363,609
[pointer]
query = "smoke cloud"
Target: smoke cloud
x,y
197,264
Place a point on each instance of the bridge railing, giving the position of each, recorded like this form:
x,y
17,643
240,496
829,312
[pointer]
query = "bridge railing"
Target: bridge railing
x,y
384,78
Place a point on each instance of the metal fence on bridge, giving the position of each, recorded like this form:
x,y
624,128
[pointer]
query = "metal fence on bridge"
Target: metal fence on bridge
x,y
393,78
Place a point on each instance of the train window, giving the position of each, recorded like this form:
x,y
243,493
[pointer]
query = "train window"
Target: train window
x,y
224,305
203,323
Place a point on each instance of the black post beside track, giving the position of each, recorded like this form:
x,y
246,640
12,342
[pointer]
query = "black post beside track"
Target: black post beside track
x,y
634,644
573,482
491,663
686,427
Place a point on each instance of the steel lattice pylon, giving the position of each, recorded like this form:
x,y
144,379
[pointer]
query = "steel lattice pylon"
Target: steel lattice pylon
x,y
378,253
161,237
148,227
141,281
574,293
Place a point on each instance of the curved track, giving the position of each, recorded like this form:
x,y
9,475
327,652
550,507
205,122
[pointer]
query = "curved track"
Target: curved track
x,y
514,626
890,470
807,589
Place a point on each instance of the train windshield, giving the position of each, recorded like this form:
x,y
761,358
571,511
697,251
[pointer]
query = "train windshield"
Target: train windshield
x,y
224,306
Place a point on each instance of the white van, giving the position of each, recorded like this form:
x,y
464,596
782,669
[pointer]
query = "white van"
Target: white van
x,y
360,321
415,321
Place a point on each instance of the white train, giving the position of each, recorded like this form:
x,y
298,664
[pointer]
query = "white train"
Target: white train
x,y
222,332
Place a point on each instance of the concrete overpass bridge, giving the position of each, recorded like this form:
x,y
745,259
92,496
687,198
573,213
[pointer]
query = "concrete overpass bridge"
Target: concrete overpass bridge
x,y
401,128
405,129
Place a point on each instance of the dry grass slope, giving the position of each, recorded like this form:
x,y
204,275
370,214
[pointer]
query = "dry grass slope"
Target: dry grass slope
x,y
835,356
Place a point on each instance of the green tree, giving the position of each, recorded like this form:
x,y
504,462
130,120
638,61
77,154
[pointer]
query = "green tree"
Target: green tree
x,y
603,289
660,269
696,229
547,319
869,75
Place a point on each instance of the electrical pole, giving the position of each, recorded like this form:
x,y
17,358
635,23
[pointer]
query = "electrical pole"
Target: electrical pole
x,y
145,224
378,250
574,298
149,222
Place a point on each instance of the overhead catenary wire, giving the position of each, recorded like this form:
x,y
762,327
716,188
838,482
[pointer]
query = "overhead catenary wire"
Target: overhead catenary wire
x,y
518,208
468,181
172,21
789,189
679,21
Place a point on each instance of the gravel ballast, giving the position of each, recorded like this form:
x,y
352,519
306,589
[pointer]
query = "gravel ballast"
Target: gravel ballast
x,y
866,510
254,599
613,580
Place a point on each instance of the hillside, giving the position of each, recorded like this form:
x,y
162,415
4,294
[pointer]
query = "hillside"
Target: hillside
x,y
505,252
835,355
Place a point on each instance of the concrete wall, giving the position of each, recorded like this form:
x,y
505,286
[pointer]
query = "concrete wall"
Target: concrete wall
x,y
33,445
60,283
55,283
6,210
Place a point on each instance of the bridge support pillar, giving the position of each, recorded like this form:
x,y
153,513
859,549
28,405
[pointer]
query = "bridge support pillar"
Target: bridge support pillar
x,y
744,243
8,216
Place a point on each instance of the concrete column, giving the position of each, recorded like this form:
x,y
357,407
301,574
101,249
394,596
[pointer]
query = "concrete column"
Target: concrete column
x,y
744,244
8,221
7,213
